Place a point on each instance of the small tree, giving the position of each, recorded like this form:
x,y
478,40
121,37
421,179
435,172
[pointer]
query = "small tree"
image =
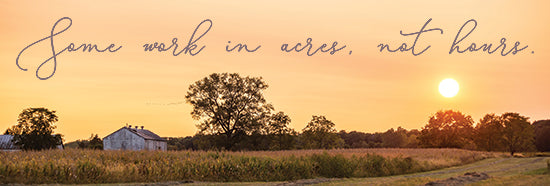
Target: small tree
x,y
320,133
34,130
518,133
277,127
94,142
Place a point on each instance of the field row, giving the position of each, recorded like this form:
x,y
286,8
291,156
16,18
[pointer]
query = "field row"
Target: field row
x,y
89,166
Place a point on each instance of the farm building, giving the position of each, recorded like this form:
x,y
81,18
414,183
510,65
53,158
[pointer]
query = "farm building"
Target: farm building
x,y
128,138
6,144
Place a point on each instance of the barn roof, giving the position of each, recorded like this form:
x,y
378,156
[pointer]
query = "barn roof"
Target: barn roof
x,y
147,134
6,143
144,133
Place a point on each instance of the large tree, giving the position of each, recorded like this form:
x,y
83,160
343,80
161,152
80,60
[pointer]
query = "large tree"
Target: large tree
x,y
447,129
542,135
34,129
229,104
518,133
489,133
320,133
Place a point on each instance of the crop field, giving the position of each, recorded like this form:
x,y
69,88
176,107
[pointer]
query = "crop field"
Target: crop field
x,y
95,166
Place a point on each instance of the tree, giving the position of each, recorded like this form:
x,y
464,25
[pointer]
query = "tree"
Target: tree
x,y
518,133
34,130
283,136
354,139
94,142
447,129
489,133
228,104
182,143
394,138
542,135
412,138
320,133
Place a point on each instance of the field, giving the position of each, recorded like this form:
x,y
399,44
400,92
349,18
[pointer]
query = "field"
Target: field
x,y
89,166
501,171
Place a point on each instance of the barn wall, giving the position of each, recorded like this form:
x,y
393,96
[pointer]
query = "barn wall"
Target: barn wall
x,y
155,145
123,140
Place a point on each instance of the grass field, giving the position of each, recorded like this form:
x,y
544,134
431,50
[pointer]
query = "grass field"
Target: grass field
x,y
502,171
89,166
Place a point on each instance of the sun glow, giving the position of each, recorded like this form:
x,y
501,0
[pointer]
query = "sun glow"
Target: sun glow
x,y
448,88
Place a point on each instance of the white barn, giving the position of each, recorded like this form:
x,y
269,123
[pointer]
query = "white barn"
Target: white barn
x,y
6,143
128,138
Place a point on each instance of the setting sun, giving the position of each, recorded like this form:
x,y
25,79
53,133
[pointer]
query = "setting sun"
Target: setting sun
x,y
448,88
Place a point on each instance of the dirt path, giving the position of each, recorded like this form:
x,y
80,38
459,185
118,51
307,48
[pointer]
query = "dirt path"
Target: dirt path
x,y
464,168
451,170
472,177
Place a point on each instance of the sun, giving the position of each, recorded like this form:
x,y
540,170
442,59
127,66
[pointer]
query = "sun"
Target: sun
x,y
448,88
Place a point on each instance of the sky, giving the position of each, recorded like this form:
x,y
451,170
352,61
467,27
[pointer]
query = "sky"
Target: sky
x,y
367,90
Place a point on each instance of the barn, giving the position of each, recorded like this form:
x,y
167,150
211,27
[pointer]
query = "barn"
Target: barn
x,y
128,138
6,143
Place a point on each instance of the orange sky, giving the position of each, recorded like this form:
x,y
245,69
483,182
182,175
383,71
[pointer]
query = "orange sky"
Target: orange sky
x,y
365,91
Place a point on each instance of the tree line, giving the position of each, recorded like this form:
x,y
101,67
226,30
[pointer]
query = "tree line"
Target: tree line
x,y
233,114
508,132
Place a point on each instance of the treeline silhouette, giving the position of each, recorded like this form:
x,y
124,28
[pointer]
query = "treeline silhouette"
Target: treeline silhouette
x,y
509,132
400,138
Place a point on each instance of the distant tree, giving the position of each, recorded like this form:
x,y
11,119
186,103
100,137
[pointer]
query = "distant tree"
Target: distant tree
x,y
542,135
375,140
34,130
412,138
354,139
282,135
182,143
394,138
229,105
320,133
278,124
489,133
209,141
94,142
518,133
257,140
447,129
83,144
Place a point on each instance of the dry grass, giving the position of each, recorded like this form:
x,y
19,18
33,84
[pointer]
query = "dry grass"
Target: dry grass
x,y
434,156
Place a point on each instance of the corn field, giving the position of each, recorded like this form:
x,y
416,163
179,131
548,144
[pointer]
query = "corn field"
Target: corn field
x,y
95,166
